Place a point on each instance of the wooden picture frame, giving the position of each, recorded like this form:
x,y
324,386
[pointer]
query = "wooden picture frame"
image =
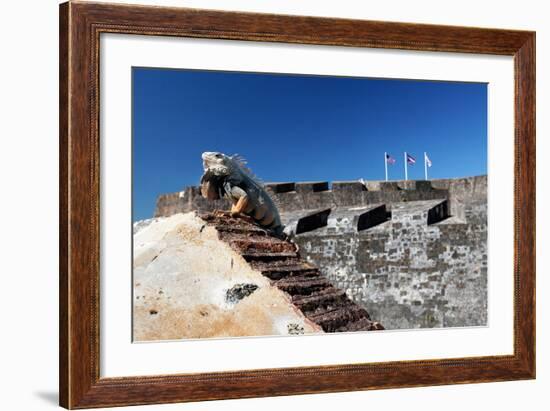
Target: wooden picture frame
x,y
80,27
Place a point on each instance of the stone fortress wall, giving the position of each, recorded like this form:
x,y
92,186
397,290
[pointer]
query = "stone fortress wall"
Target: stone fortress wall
x,y
413,253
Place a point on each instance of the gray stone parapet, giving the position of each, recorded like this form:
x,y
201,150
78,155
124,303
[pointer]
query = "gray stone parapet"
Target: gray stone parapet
x,y
314,195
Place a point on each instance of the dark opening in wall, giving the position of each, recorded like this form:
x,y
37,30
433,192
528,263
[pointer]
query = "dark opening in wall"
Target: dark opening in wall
x,y
322,186
313,221
438,213
312,186
373,217
281,187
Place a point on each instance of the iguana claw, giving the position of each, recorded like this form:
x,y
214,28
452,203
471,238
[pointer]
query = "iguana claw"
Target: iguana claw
x,y
221,213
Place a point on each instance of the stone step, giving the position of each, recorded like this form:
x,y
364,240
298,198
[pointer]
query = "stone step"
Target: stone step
x,y
252,235
253,255
275,270
261,245
243,230
362,324
223,222
278,274
302,284
332,319
326,298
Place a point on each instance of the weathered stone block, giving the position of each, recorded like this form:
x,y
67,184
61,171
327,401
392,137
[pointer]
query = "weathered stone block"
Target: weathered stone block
x,y
311,186
278,188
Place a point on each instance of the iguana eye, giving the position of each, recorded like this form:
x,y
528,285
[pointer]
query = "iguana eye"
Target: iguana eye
x,y
218,156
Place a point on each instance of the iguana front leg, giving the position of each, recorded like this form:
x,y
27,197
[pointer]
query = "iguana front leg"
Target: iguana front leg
x,y
242,201
239,206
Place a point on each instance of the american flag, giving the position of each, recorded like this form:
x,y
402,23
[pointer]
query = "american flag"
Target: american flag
x,y
410,159
390,159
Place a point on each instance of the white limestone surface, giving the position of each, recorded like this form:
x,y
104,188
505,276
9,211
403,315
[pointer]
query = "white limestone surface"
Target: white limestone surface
x,y
181,274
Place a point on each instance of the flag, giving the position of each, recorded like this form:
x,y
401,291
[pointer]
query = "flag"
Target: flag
x,y
410,159
390,159
428,161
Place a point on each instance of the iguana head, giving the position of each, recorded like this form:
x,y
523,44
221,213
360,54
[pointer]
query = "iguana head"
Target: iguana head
x,y
217,163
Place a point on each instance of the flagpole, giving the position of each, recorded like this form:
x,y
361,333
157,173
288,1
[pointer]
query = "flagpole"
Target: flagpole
x,y
386,164
405,158
425,166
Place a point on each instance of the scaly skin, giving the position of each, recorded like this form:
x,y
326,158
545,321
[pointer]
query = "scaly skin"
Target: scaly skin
x,y
226,176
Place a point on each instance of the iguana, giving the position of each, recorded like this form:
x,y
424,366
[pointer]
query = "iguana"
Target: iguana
x,y
228,177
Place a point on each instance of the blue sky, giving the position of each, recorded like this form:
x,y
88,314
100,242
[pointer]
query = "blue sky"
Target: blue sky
x,y
300,128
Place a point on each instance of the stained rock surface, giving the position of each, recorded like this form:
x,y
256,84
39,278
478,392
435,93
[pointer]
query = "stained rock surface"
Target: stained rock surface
x,y
188,283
